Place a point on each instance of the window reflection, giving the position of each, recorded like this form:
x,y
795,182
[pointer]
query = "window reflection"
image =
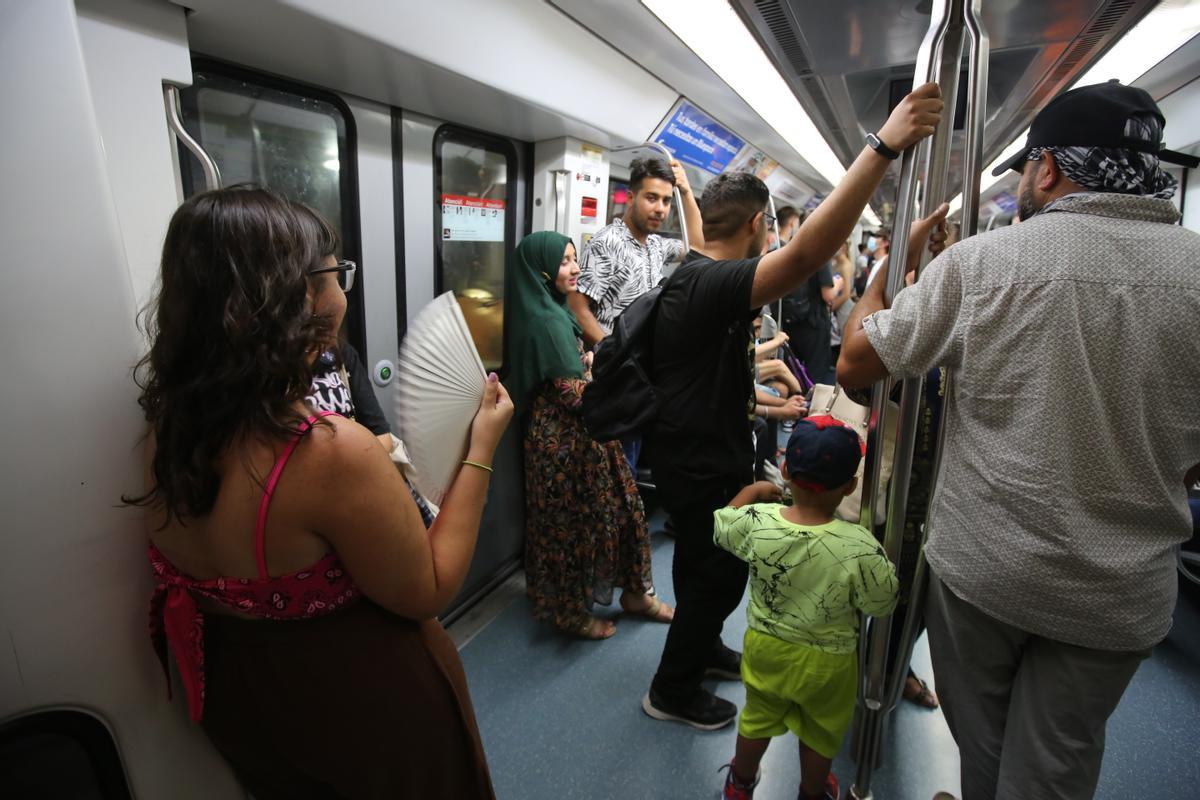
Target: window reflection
x,y
473,221
282,141
289,141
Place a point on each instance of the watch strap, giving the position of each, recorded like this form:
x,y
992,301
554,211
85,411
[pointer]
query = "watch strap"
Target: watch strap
x,y
878,146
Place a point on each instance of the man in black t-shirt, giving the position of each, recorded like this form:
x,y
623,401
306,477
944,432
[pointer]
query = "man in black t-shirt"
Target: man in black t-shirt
x,y
702,447
806,322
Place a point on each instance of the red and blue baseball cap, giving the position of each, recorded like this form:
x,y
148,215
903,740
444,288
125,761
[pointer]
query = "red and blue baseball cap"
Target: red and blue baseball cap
x,y
822,454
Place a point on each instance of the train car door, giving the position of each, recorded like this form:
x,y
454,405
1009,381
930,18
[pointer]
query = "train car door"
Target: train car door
x,y
465,196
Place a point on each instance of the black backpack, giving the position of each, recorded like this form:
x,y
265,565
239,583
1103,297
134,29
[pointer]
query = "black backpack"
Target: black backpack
x,y
621,400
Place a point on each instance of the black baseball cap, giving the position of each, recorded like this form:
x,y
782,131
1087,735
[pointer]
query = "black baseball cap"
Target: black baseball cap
x,y
822,453
1095,116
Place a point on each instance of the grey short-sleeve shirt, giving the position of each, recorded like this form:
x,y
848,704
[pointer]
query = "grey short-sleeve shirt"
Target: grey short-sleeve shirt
x,y
1074,341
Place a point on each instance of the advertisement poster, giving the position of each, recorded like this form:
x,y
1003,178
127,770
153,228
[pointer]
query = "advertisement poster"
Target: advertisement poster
x,y
694,138
754,161
787,188
472,219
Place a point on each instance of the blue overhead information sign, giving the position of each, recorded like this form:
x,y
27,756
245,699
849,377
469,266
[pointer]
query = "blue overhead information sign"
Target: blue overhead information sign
x,y
694,138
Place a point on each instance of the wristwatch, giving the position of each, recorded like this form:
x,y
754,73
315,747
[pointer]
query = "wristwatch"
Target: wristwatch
x,y
878,146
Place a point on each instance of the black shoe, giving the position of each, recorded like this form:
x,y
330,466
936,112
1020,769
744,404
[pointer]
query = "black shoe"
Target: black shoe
x,y
724,665
669,528
706,711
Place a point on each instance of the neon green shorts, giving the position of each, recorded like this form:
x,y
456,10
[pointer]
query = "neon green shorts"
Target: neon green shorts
x,y
790,687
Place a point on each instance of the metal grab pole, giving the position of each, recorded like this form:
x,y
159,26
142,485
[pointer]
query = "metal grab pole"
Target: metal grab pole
x,y
962,16
212,175
977,75
874,691
774,218
683,230
934,191
778,244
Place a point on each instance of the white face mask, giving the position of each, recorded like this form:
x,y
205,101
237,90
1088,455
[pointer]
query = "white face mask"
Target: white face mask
x,y
872,243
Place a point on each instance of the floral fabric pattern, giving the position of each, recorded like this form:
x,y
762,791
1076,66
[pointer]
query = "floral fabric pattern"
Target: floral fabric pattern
x,y
585,526
175,616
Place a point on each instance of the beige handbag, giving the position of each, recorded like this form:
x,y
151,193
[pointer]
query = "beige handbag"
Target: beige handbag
x,y
832,401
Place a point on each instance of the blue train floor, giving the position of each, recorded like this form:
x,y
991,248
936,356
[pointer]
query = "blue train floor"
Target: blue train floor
x,y
561,718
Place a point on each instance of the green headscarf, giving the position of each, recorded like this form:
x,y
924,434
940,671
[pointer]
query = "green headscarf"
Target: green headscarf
x,y
540,330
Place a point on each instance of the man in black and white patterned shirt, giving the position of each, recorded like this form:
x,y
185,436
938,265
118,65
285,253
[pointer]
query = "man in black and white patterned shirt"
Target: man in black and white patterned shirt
x,y
625,260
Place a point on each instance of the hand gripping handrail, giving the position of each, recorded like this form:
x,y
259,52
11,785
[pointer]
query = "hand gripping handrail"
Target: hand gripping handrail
x,y
938,59
683,230
212,175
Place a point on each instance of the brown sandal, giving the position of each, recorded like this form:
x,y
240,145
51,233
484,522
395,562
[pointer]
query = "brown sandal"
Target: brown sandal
x,y
593,629
652,612
922,695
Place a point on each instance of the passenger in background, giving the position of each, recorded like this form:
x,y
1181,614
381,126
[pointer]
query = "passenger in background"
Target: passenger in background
x,y
1062,496
770,373
789,220
862,268
842,303
307,643
702,448
787,223
625,260
810,576
882,246
585,527
806,320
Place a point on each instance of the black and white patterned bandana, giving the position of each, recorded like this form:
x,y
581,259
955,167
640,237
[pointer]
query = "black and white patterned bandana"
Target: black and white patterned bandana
x,y
1109,169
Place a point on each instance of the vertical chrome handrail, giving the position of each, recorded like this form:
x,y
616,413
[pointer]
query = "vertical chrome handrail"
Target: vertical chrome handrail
x,y
212,174
778,244
977,73
774,218
683,229
937,59
935,190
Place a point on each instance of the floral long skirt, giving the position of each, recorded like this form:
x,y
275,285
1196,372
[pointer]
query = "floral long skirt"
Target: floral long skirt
x,y
585,526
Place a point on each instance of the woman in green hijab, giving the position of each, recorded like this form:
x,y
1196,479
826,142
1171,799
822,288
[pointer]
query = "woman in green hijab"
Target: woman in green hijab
x,y
585,527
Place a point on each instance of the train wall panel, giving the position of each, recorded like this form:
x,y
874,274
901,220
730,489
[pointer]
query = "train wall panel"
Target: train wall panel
x,y
130,48
74,582
377,221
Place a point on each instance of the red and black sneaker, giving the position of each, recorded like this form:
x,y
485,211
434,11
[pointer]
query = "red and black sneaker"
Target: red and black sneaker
x,y
832,790
734,788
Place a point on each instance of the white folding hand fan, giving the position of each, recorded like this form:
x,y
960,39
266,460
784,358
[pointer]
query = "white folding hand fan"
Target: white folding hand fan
x,y
440,384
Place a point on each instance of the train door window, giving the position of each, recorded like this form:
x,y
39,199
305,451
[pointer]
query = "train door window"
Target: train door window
x,y
475,229
293,139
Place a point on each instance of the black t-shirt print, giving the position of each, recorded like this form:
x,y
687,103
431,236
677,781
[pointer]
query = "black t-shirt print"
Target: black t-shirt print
x,y
356,400
703,371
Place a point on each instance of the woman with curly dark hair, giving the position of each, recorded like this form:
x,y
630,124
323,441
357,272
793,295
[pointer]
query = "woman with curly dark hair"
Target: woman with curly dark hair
x,y
299,602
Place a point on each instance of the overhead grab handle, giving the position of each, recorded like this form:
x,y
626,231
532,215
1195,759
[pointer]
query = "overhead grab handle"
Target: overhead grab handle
x,y
212,175
683,231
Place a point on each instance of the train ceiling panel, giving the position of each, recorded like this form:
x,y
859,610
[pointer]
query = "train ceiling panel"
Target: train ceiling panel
x,y
635,32
518,68
843,60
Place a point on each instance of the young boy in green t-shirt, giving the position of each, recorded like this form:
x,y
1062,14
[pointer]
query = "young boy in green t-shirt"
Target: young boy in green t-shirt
x,y
810,575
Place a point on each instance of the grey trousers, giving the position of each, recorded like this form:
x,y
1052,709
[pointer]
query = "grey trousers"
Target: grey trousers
x,y
1028,713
